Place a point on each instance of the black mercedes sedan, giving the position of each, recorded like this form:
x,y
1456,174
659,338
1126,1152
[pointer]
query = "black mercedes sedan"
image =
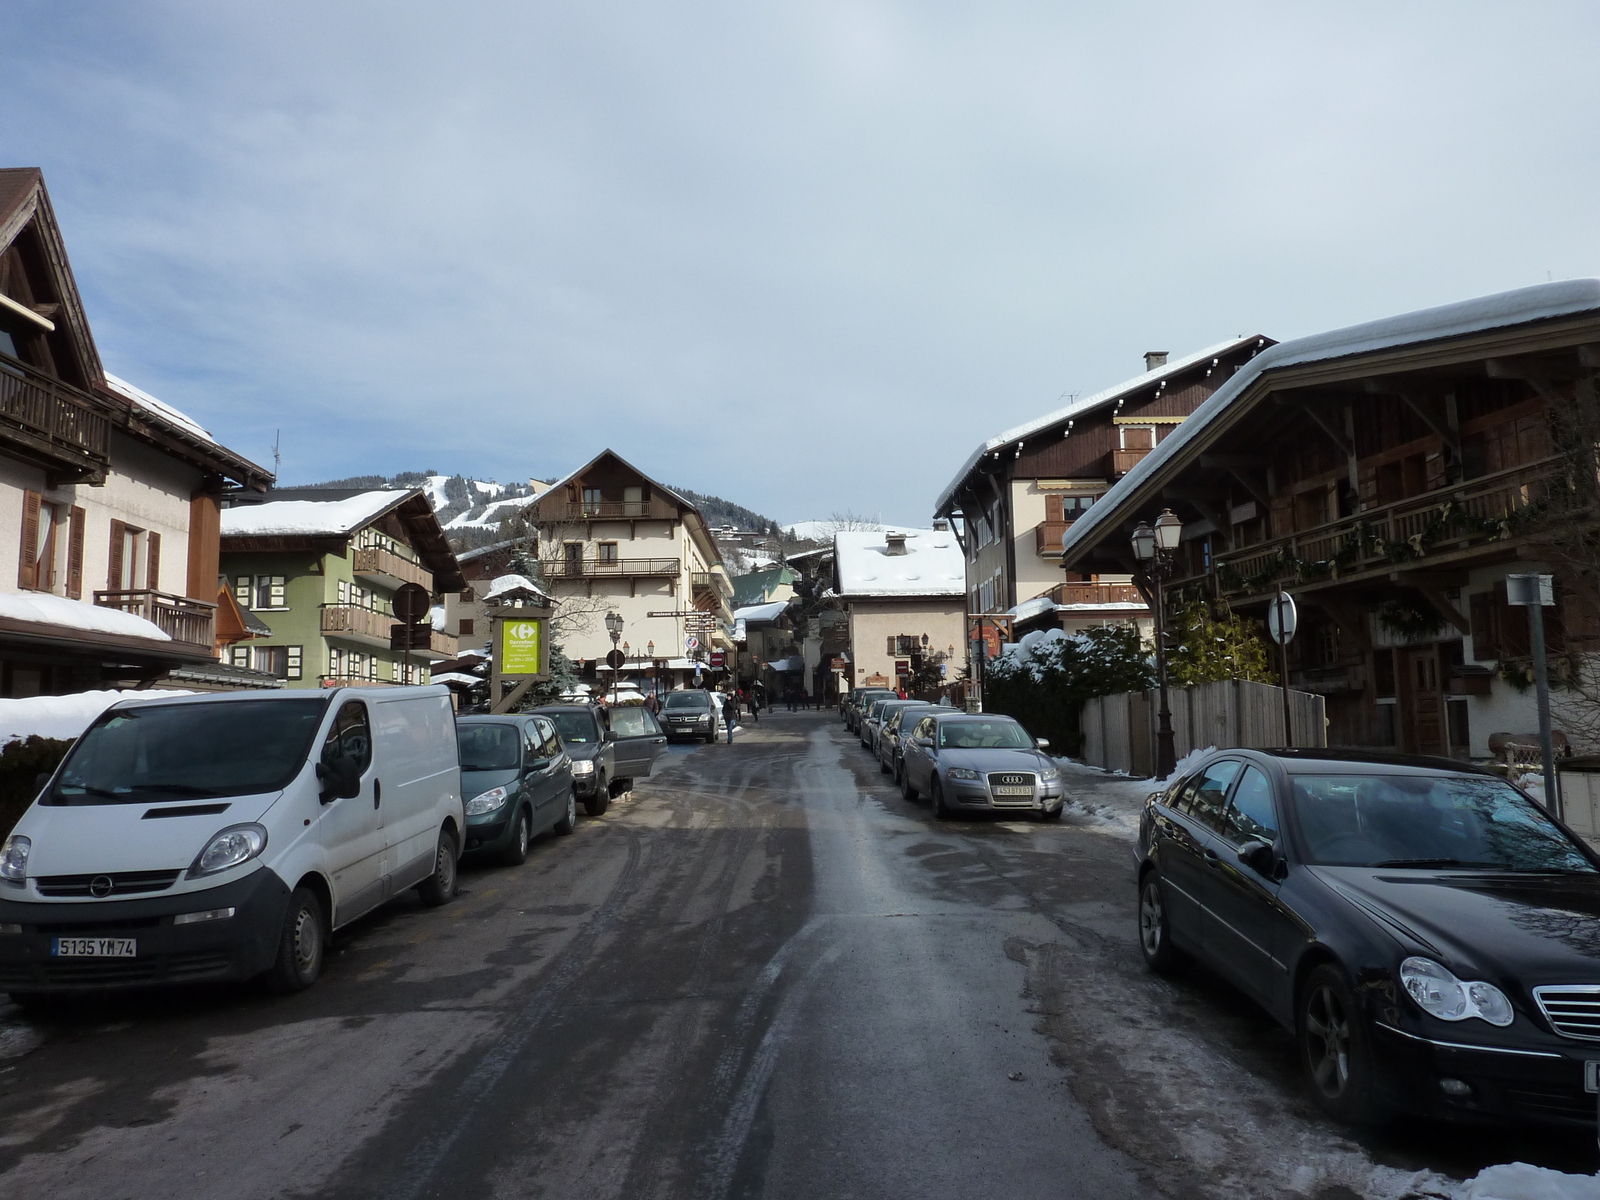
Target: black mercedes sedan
x,y
1428,934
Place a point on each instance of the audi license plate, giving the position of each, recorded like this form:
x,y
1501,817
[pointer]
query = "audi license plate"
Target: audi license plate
x,y
70,947
1013,791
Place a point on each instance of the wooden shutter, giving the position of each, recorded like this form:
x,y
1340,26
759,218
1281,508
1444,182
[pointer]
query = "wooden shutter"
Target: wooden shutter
x,y
28,555
75,532
114,559
152,571
1485,627
1052,509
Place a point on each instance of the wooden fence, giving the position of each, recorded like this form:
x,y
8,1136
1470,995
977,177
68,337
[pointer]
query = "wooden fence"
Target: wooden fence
x,y
1119,732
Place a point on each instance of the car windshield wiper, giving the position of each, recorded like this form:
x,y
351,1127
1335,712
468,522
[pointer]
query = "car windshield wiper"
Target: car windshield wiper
x,y
1436,862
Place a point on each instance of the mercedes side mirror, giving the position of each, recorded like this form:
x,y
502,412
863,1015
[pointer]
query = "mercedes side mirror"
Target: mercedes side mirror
x,y
1258,856
341,779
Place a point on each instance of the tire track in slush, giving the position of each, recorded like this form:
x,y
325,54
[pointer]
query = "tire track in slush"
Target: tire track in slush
x,y
422,1164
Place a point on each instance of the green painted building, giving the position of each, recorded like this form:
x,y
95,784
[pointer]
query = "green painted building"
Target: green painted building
x,y
320,569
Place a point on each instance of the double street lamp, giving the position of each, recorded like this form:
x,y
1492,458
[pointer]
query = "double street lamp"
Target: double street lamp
x,y
614,628
1154,548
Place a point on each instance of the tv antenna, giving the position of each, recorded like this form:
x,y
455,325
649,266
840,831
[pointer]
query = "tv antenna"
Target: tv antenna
x,y
277,458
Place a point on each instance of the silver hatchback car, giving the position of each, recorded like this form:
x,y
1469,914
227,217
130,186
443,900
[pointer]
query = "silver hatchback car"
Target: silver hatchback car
x,y
980,762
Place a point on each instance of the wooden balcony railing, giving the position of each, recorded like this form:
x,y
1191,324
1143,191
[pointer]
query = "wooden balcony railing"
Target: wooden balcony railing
x,y
390,568
1096,593
1047,537
610,510
581,569
192,622
1123,461
360,624
1449,518
55,422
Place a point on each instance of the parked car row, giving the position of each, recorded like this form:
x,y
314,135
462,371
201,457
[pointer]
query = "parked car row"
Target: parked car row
x,y
226,837
1425,931
963,762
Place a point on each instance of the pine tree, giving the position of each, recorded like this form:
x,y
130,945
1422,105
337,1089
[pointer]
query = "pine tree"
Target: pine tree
x,y
1207,641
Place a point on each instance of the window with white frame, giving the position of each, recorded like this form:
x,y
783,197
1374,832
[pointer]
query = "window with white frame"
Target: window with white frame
x,y
261,591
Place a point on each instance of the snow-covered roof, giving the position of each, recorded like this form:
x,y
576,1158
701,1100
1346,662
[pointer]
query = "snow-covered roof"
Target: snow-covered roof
x,y
288,518
66,716
1087,404
45,609
161,409
502,584
460,677
823,531
1039,605
1540,302
932,565
761,612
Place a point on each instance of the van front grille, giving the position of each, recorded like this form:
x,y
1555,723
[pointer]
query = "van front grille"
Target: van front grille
x,y
107,883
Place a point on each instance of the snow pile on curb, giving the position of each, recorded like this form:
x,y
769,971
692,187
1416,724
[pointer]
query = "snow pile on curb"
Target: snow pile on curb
x,y
64,716
1522,1181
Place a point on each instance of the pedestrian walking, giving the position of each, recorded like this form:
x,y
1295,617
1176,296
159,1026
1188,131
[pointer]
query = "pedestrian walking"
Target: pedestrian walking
x,y
730,713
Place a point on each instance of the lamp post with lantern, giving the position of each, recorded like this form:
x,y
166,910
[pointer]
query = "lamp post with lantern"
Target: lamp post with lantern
x,y
614,628
1154,548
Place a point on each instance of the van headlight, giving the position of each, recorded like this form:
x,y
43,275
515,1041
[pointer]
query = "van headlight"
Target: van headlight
x,y
14,858
486,802
235,845
1439,993
583,766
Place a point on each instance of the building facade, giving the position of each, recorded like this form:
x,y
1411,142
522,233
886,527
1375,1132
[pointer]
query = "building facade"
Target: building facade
x,y
109,499
904,595
322,568
1388,477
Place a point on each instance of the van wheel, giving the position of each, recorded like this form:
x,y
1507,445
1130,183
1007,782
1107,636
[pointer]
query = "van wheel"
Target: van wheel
x,y
569,820
301,944
439,887
516,853
597,804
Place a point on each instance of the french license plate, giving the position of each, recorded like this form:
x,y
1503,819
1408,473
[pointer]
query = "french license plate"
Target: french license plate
x,y
1591,1075
73,947
1013,791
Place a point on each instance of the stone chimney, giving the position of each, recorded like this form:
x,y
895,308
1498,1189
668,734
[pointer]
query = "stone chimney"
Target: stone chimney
x,y
1154,359
896,543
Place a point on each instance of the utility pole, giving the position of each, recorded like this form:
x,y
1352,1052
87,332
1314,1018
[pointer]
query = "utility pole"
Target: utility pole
x,y
1536,593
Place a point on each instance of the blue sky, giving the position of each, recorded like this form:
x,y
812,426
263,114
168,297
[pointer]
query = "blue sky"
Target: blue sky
x,y
802,255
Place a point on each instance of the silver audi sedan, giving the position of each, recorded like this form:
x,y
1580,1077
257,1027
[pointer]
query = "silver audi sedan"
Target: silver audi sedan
x,y
980,762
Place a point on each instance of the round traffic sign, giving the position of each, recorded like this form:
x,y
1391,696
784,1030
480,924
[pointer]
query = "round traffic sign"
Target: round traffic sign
x,y
691,643
1282,618
616,660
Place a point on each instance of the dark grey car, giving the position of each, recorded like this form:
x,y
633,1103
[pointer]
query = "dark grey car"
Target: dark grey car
x,y
637,742
516,781
593,761
980,762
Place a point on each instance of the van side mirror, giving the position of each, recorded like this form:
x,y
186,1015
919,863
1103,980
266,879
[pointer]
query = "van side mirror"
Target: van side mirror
x,y
341,779
1258,856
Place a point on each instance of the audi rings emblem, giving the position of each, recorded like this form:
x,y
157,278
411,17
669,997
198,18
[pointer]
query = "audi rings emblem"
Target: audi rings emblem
x,y
101,885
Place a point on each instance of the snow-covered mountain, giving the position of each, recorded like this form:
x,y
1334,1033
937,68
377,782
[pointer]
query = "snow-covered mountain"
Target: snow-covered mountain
x,y
823,531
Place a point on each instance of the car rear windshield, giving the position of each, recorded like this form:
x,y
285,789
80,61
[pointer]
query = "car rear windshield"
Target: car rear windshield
x,y
486,747
157,751
698,700
1428,821
984,735
576,727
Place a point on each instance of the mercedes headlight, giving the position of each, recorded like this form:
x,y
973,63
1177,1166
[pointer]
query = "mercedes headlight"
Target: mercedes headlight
x,y
962,773
486,802
1439,993
14,858
235,845
583,766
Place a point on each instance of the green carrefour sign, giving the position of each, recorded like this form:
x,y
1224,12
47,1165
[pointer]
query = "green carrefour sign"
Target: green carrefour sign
x,y
521,647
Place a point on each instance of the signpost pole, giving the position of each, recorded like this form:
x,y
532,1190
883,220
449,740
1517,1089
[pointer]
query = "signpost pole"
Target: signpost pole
x,y
1282,619
1534,592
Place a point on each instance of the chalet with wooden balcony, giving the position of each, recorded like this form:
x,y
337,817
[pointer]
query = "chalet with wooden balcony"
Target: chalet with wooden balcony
x,y
109,498
610,538
1388,477
1018,494
327,572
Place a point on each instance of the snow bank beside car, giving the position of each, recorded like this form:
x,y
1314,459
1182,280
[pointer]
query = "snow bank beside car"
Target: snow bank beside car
x,y
1523,1181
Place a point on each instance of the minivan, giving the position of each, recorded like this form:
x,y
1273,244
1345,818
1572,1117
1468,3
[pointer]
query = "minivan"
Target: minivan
x,y
224,837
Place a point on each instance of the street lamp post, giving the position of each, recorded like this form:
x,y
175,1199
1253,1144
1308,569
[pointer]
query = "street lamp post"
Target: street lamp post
x,y
614,628
1153,548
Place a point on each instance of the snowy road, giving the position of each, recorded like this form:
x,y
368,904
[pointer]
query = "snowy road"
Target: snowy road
x,y
764,974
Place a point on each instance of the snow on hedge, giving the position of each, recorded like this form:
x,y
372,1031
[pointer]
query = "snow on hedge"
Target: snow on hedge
x,y
45,609
64,716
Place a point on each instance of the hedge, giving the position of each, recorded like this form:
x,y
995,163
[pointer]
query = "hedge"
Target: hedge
x,y
21,764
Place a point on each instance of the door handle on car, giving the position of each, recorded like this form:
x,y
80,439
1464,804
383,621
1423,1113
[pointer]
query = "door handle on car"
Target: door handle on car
x,y
1211,858
377,793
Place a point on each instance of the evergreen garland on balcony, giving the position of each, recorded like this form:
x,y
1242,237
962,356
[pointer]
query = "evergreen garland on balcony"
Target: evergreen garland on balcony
x,y
1409,617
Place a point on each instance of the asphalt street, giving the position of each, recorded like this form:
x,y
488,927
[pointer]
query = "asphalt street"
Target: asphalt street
x,y
763,974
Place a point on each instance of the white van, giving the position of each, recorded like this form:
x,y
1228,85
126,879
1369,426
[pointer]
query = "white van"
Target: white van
x,y
226,836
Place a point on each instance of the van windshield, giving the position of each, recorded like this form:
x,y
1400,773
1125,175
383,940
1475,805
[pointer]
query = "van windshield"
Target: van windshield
x,y
189,750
